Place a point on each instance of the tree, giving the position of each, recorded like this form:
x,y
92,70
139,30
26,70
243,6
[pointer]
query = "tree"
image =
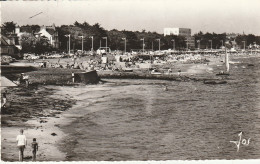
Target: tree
x,y
204,39
42,45
115,38
28,42
76,23
35,28
85,24
180,42
35,45
8,27
132,42
251,39
240,39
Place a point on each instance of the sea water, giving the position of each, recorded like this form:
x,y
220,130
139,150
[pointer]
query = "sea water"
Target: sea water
x,y
142,120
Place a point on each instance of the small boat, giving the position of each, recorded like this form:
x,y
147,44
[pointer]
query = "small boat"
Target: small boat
x,y
222,73
214,82
128,70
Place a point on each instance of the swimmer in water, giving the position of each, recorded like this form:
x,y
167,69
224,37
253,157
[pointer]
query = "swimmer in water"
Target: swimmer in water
x,y
165,89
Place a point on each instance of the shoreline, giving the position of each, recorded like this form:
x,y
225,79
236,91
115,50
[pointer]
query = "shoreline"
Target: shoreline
x,y
41,124
188,71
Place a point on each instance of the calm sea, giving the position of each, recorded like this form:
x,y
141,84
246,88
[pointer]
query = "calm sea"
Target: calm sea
x,y
139,120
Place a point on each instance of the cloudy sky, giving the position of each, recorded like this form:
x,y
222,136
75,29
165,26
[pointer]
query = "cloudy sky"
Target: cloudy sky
x,y
152,15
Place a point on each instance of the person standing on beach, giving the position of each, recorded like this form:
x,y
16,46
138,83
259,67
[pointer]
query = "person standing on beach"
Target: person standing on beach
x,y
24,78
179,72
35,149
4,99
21,143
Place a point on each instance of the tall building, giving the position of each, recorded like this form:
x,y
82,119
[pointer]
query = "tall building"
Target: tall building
x,y
186,32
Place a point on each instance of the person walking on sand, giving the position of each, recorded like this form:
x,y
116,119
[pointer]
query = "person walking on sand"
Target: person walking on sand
x,y
34,149
21,143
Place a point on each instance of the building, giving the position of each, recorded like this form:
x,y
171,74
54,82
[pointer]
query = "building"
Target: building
x,y
231,35
185,32
49,32
8,47
171,31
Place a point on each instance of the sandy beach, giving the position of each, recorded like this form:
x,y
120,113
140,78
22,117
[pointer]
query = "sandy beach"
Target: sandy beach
x,y
39,113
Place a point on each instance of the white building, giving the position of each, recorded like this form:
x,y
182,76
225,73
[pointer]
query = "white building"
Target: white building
x,y
171,31
43,32
185,32
177,31
49,32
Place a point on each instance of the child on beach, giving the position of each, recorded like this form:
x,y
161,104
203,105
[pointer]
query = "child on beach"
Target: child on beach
x,y
34,149
21,142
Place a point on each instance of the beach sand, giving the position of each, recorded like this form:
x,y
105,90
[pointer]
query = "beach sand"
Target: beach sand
x,y
39,113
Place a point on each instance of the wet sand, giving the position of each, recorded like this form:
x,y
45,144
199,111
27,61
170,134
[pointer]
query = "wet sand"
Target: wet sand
x,y
39,114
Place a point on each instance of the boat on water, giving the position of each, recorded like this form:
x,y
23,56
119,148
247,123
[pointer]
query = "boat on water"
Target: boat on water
x,y
214,82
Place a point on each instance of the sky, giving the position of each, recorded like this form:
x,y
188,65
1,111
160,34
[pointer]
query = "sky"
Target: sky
x,y
217,16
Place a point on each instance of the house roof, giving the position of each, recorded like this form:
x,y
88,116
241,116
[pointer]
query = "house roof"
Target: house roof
x,y
27,29
50,31
4,41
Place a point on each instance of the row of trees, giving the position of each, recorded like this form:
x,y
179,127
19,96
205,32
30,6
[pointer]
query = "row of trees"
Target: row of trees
x,y
115,41
218,40
114,38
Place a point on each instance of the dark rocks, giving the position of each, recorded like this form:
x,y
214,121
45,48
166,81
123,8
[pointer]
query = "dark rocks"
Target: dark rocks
x,y
53,134
43,121
28,157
